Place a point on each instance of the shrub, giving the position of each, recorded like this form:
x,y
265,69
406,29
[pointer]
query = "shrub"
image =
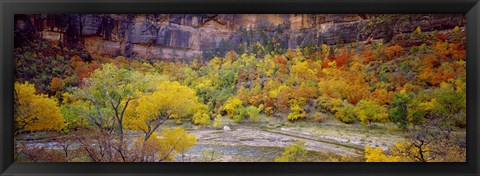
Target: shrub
x,y
269,111
296,152
201,118
319,117
217,122
253,113
326,104
368,112
231,105
346,113
393,51
341,60
237,118
297,112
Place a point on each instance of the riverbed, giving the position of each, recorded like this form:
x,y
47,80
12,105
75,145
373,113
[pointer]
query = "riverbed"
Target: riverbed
x,y
258,143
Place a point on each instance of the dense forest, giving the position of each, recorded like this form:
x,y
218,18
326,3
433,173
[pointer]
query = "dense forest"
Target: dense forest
x,y
74,105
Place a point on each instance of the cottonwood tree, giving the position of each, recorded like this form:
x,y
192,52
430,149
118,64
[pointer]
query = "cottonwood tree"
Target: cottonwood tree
x,y
169,101
35,112
109,92
164,147
175,141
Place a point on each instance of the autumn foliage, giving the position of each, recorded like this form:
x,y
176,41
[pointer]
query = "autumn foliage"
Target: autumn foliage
x,y
35,112
104,100
394,51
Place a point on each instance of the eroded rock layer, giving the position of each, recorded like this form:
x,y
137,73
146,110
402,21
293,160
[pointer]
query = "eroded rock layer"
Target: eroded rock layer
x,y
186,36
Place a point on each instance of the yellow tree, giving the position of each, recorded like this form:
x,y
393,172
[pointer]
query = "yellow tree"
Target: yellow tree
x,y
217,122
334,88
403,151
201,116
35,112
301,72
175,141
168,101
296,152
297,111
166,146
378,155
231,105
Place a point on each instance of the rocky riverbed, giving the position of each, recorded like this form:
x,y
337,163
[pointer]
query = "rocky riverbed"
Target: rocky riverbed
x,y
262,143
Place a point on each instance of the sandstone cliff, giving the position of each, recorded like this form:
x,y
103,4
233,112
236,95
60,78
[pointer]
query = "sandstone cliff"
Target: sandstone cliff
x,y
186,36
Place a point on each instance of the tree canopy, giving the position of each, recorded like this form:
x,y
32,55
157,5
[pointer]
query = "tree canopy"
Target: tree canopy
x,y
35,112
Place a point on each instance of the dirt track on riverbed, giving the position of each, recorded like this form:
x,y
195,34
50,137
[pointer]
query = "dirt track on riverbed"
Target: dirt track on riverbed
x,y
250,136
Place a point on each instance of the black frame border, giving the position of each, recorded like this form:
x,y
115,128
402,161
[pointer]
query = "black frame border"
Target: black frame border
x,y
471,8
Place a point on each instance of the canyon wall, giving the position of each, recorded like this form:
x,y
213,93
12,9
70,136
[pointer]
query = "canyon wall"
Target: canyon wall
x,y
187,36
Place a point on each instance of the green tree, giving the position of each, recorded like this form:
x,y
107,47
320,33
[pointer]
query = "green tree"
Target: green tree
x,y
72,113
346,113
399,111
109,91
368,111
253,113
420,107
451,107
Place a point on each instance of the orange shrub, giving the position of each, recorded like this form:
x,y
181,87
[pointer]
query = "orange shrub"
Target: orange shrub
x,y
282,62
393,51
456,52
368,55
426,75
325,63
382,97
354,99
56,84
290,54
441,48
281,102
430,60
435,76
84,70
268,103
450,51
241,75
441,37
441,76
304,92
342,60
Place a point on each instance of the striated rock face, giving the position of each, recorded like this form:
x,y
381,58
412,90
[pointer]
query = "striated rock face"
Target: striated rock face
x,y
186,36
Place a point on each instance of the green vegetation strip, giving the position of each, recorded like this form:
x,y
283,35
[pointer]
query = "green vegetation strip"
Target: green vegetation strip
x,y
318,140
